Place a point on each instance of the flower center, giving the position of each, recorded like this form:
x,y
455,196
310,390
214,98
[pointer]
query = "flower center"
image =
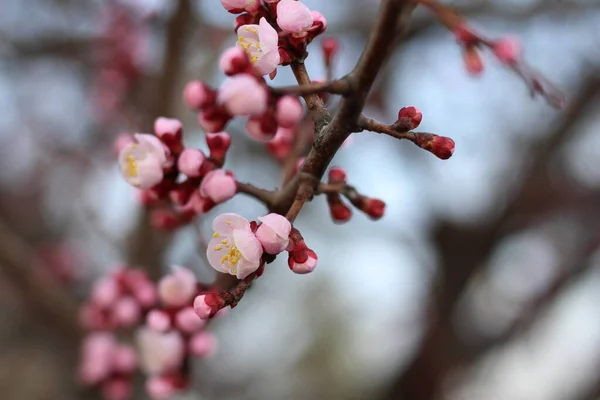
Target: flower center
x,y
131,168
231,257
251,46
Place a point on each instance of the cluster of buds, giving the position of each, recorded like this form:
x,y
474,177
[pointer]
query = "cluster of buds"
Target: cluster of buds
x,y
340,212
178,182
167,333
274,32
244,94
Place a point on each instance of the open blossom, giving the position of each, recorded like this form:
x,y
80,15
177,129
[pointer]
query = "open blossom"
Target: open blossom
x,y
274,233
243,95
142,163
260,43
177,288
218,185
234,248
160,352
293,16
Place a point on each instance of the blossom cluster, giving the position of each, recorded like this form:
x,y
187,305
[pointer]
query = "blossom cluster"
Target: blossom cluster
x,y
166,329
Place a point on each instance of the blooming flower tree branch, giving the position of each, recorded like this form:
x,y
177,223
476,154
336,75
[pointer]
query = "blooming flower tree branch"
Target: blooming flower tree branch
x,y
179,183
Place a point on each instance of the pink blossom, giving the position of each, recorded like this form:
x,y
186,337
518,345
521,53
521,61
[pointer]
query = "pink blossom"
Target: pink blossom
x,y
294,17
196,95
203,344
234,248
190,162
177,288
202,308
260,42
198,204
239,6
159,352
96,357
304,268
263,127
159,388
234,61
142,163
105,292
158,320
218,185
507,50
319,23
188,321
274,233
167,127
288,111
243,95
127,311
124,359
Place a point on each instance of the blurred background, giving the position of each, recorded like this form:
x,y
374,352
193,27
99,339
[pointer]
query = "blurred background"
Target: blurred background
x,y
482,281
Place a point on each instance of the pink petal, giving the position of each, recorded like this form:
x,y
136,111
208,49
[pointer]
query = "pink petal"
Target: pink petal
x,y
278,223
225,223
248,245
214,256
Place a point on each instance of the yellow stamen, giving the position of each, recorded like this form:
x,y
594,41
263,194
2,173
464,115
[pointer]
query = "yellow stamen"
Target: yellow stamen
x,y
131,168
216,235
232,257
218,247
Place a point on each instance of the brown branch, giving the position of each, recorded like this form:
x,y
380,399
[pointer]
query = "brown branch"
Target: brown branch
x,y
265,196
339,86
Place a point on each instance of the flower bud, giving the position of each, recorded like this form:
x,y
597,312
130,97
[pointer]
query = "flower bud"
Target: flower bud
x,y
305,267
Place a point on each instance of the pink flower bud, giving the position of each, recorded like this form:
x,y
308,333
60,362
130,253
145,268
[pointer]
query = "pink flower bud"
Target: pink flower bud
x,y
188,321
105,292
337,175
293,16
218,144
330,47
442,147
203,344
319,24
234,61
473,62
306,267
124,359
374,208
197,95
158,321
207,305
243,95
244,19
339,211
507,50
240,6
218,185
147,197
167,128
213,119
465,36
127,311
190,162
145,293
409,118
160,388
263,127
117,389
177,288
288,111
274,233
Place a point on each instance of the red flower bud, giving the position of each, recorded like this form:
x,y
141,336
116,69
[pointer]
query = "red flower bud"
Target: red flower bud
x,y
339,211
337,175
374,208
409,118
330,47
